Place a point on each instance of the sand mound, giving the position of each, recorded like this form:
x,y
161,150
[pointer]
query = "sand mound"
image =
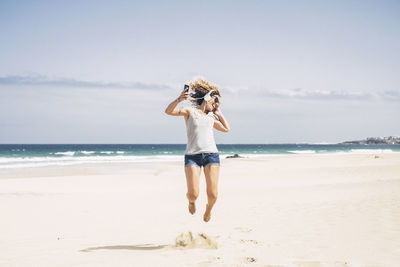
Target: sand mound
x,y
189,240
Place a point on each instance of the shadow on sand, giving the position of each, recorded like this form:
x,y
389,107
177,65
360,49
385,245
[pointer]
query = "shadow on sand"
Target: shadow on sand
x,y
132,247
185,240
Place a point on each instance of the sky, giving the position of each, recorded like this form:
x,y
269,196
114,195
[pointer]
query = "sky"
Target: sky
x,y
288,71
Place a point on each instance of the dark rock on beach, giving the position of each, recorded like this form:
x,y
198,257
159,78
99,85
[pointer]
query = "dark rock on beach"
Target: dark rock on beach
x,y
234,156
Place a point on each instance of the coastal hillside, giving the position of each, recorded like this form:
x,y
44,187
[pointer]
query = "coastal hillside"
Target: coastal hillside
x,y
390,140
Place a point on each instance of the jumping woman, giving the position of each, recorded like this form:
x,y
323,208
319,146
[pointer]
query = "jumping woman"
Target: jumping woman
x,y
201,151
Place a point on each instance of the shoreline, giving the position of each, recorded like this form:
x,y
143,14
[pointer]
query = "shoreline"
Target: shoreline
x,y
94,168
178,159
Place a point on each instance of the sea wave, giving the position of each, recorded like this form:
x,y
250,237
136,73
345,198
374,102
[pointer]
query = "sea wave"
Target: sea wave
x,y
68,153
302,151
370,151
12,160
6,163
87,152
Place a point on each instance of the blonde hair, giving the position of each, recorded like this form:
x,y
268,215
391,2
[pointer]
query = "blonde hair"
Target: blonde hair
x,y
201,87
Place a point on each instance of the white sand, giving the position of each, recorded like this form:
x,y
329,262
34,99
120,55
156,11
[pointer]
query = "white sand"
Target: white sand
x,y
300,210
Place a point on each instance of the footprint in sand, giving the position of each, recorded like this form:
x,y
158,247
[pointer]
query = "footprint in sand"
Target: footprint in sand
x,y
251,259
255,242
189,240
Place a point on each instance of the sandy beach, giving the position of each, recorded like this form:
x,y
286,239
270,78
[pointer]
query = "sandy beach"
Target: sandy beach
x,y
297,210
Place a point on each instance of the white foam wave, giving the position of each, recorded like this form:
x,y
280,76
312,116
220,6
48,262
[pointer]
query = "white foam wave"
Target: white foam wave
x,y
370,151
120,152
106,152
251,155
70,159
87,152
47,161
68,153
302,151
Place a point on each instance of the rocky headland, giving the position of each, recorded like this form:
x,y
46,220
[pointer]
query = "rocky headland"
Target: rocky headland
x,y
390,140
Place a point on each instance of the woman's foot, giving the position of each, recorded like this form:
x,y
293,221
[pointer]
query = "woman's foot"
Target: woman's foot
x,y
207,214
192,207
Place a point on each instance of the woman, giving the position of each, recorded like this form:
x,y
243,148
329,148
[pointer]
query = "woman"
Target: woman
x,y
201,150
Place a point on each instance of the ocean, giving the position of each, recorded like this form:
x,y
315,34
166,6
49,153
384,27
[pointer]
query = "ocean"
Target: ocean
x,y
37,155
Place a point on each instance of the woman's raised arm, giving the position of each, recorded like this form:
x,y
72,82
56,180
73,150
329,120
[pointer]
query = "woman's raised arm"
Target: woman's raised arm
x,y
171,109
221,124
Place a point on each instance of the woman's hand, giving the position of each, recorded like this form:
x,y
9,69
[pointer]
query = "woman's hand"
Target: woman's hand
x,y
184,95
217,111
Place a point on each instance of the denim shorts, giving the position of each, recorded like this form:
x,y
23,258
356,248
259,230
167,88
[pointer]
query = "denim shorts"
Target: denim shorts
x,y
202,159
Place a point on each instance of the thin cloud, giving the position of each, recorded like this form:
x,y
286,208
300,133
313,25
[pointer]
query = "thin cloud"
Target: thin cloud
x,y
65,82
318,94
391,95
295,93
300,93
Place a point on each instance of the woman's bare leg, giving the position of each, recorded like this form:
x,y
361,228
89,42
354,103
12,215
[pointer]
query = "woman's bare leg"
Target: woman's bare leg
x,y
192,179
211,173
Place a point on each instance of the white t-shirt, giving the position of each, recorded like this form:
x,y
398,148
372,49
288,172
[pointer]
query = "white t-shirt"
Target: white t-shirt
x,y
199,128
